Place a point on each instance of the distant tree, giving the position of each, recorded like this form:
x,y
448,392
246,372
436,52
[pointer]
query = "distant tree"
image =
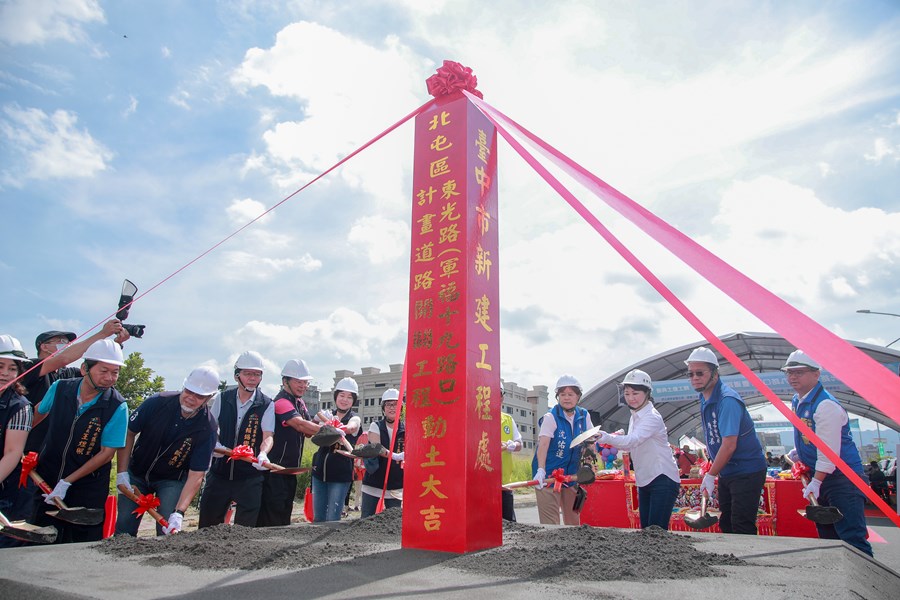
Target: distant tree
x,y
136,382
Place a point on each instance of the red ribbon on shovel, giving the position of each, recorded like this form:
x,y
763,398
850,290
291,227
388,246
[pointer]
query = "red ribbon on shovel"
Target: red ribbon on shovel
x,y
145,503
29,462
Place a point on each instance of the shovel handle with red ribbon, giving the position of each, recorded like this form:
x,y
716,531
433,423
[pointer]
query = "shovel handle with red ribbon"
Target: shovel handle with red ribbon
x,y
146,503
245,453
557,478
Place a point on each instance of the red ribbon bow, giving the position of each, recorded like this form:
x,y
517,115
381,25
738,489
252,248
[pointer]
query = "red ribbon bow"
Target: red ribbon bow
x,y
559,475
29,462
145,502
242,452
799,470
450,78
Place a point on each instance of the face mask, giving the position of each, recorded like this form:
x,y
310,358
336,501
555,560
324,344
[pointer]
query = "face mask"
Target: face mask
x,y
60,347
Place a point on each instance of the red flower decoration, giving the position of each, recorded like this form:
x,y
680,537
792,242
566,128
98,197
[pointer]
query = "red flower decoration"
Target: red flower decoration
x,y
241,452
799,470
146,502
29,462
450,78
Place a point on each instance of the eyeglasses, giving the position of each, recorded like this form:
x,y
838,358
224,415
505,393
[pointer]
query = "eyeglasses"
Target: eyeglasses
x,y
692,374
197,396
797,372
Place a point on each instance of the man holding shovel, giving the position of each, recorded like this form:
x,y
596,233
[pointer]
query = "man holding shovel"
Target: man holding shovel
x,y
167,450
246,417
828,419
88,420
737,456
292,425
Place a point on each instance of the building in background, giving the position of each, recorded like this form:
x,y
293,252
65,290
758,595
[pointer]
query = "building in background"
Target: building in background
x,y
526,406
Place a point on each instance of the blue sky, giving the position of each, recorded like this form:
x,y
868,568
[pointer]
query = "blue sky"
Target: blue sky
x,y
135,135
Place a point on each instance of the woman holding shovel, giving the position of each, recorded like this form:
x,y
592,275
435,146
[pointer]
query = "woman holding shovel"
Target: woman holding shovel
x,y
655,470
15,423
332,471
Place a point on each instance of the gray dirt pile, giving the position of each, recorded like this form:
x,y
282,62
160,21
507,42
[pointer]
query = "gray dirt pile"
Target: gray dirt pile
x,y
528,552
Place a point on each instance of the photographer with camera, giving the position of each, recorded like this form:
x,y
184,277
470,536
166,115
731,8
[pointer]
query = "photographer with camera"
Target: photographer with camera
x,y
54,352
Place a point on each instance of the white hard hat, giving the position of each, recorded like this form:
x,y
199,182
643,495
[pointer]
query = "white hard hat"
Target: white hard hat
x,y
799,360
249,360
296,369
106,351
568,381
390,395
638,377
11,348
703,355
203,381
347,384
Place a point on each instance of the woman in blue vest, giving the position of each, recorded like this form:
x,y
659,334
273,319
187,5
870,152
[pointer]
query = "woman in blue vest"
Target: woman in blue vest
x,y
828,420
655,470
15,423
332,473
563,423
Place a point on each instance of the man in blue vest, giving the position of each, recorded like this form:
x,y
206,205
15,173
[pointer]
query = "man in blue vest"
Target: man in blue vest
x,y
168,448
562,424
88,419
828,419
380,432
736,454
246,417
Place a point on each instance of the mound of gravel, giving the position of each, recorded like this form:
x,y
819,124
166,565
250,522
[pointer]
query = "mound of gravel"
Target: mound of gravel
x,y
528,552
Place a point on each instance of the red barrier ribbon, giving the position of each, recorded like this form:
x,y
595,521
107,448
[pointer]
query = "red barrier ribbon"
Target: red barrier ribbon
x,y
242,452
849,364
145,502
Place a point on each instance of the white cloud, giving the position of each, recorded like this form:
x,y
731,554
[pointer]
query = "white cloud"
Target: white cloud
x,y
882,150
39,21
166,53
242,211
52,146
383,240
132,106
180,98
239,265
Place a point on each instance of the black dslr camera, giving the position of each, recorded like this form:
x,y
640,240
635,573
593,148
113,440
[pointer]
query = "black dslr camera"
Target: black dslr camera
x,y
125,300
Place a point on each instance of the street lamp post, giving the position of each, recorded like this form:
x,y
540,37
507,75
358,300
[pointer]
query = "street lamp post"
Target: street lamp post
x,y
866,311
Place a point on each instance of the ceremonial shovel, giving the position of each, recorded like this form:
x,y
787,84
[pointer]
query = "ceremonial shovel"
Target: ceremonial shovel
x,y
700,519
328,435
134,498
269,465
823,515
20,530
584,476
77,515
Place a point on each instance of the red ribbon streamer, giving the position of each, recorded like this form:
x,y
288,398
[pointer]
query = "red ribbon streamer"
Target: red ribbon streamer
x,y
29,462
866,376
146,502
560,476
242,452
799,470
450,78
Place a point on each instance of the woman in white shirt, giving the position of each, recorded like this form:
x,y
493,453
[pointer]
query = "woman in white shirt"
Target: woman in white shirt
x,y
655,470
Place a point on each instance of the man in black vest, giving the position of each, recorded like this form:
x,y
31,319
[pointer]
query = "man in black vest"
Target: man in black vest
x,y
246,417
171,455
292,425
88,419
54,352
373,481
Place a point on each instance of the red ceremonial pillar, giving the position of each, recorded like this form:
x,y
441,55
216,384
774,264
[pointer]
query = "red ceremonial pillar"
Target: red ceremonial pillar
x,y
451,491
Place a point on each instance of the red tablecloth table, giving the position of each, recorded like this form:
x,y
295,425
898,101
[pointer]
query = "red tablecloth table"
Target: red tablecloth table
x,y
614,503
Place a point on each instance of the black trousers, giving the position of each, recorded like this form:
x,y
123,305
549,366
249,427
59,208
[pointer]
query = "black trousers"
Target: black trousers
x,y
277,503
739,501
509,512
219,492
